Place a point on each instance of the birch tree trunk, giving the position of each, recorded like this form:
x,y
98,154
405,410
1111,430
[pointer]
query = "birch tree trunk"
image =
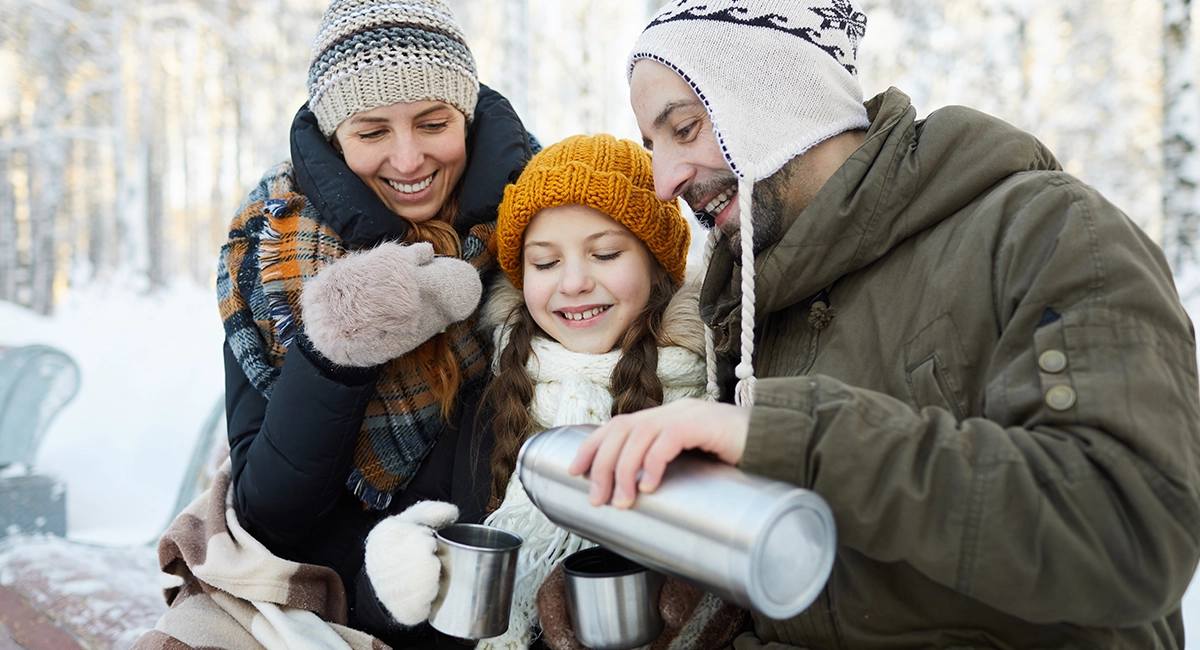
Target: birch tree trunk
x,y
48,160
1179,137
8,229
156,271
515,45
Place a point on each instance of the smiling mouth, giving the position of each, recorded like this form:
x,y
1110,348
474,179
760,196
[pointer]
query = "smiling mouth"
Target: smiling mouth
x,y
584,315
405,188
707,216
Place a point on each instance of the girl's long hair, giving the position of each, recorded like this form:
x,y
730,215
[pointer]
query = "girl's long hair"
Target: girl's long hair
x,y
635,381
434,359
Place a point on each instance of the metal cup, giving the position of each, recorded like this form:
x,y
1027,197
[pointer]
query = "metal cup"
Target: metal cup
x,y
476,587
612,602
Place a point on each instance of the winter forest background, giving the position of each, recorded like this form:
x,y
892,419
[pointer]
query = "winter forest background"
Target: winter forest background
x,y
130,130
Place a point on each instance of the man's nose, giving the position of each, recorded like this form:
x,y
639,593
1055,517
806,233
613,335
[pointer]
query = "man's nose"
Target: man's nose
x,y
671,176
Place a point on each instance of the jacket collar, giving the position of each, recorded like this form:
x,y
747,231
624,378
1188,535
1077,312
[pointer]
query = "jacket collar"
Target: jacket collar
x,y
497,149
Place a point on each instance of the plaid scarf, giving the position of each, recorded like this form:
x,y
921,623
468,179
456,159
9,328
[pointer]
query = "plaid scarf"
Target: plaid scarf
x,y
275,243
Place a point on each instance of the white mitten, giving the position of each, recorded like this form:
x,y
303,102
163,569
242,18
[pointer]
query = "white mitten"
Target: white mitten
x,y
372,306
402,561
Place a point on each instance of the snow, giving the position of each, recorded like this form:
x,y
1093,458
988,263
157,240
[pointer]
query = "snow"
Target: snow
x,y
151,374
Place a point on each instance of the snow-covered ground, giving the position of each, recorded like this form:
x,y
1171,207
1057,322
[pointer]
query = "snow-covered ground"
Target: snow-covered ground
x,y
151,374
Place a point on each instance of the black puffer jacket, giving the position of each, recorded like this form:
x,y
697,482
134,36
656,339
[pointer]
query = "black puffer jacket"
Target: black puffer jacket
x,y
292,454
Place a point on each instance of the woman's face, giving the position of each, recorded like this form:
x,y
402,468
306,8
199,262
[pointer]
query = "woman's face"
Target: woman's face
x,y
586,277
410,153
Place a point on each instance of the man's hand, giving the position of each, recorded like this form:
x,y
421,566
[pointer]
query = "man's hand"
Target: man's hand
x,y
647,440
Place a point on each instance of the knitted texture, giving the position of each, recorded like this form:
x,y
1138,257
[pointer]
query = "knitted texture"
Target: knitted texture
x,y
601,172
275,244
370,53
777,77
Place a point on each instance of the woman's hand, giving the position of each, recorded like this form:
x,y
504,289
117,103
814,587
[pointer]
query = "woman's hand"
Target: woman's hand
x,y
647,440
372,306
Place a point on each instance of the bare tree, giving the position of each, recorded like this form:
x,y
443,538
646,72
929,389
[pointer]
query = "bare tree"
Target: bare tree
x,y
1180,103
48,159
8,230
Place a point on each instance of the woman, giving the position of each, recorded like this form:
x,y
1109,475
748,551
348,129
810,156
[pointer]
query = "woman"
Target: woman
x,y
348,289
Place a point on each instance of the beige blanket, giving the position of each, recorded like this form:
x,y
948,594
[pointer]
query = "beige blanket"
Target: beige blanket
x,y
236,595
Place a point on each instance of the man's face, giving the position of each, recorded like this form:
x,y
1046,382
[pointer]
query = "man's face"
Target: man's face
x,y
688,162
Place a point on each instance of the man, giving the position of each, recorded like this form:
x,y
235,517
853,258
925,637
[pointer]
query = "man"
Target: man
x,y
980,363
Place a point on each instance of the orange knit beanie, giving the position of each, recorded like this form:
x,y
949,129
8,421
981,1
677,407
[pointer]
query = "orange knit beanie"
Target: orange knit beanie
x,y
602,172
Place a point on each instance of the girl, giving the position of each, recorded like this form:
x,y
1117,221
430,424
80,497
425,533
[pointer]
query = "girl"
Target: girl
x,y
591,322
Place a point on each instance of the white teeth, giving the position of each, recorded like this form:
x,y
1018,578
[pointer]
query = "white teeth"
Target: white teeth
x,y
411,189
716,205
583,315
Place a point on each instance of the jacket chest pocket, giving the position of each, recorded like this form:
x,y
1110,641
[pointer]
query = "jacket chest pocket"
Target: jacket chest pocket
x,y
932,361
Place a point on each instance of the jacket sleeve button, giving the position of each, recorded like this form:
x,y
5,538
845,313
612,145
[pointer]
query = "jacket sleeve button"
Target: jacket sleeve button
x,y
1052,361
1060,398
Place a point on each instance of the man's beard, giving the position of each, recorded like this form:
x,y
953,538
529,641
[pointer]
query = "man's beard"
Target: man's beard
x,y
767,204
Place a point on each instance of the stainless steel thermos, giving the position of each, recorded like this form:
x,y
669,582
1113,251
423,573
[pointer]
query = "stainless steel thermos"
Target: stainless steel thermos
x,y
763,544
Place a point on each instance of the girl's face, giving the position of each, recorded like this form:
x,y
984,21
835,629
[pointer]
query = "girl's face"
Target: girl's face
x,y
587,277
410,153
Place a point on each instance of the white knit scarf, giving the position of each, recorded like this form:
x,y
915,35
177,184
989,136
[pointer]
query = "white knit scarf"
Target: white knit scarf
x,y
569,388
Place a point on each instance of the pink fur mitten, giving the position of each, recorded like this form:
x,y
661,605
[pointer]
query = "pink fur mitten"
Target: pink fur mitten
x,y
372,306
402,561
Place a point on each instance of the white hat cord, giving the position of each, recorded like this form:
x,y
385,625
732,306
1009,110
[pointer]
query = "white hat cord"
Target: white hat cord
x,y
744,394
710,351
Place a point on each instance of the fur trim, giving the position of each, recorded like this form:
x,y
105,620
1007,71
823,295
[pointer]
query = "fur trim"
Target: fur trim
x,y
682,326
503,298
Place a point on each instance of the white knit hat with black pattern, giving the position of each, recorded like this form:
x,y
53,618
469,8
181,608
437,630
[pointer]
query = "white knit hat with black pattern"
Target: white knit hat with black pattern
x,y
370,53
777,77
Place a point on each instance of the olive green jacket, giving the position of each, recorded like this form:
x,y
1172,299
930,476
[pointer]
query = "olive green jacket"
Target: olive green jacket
x,y
1003,414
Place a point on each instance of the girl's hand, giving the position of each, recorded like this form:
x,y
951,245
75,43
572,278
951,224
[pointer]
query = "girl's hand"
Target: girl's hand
x,y
647,440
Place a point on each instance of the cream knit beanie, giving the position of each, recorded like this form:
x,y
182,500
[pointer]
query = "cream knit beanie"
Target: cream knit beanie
x,y
372,53
777,77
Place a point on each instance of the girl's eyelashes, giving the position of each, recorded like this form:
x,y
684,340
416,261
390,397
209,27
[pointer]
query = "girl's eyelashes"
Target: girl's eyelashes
x,y
543,266
604,257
